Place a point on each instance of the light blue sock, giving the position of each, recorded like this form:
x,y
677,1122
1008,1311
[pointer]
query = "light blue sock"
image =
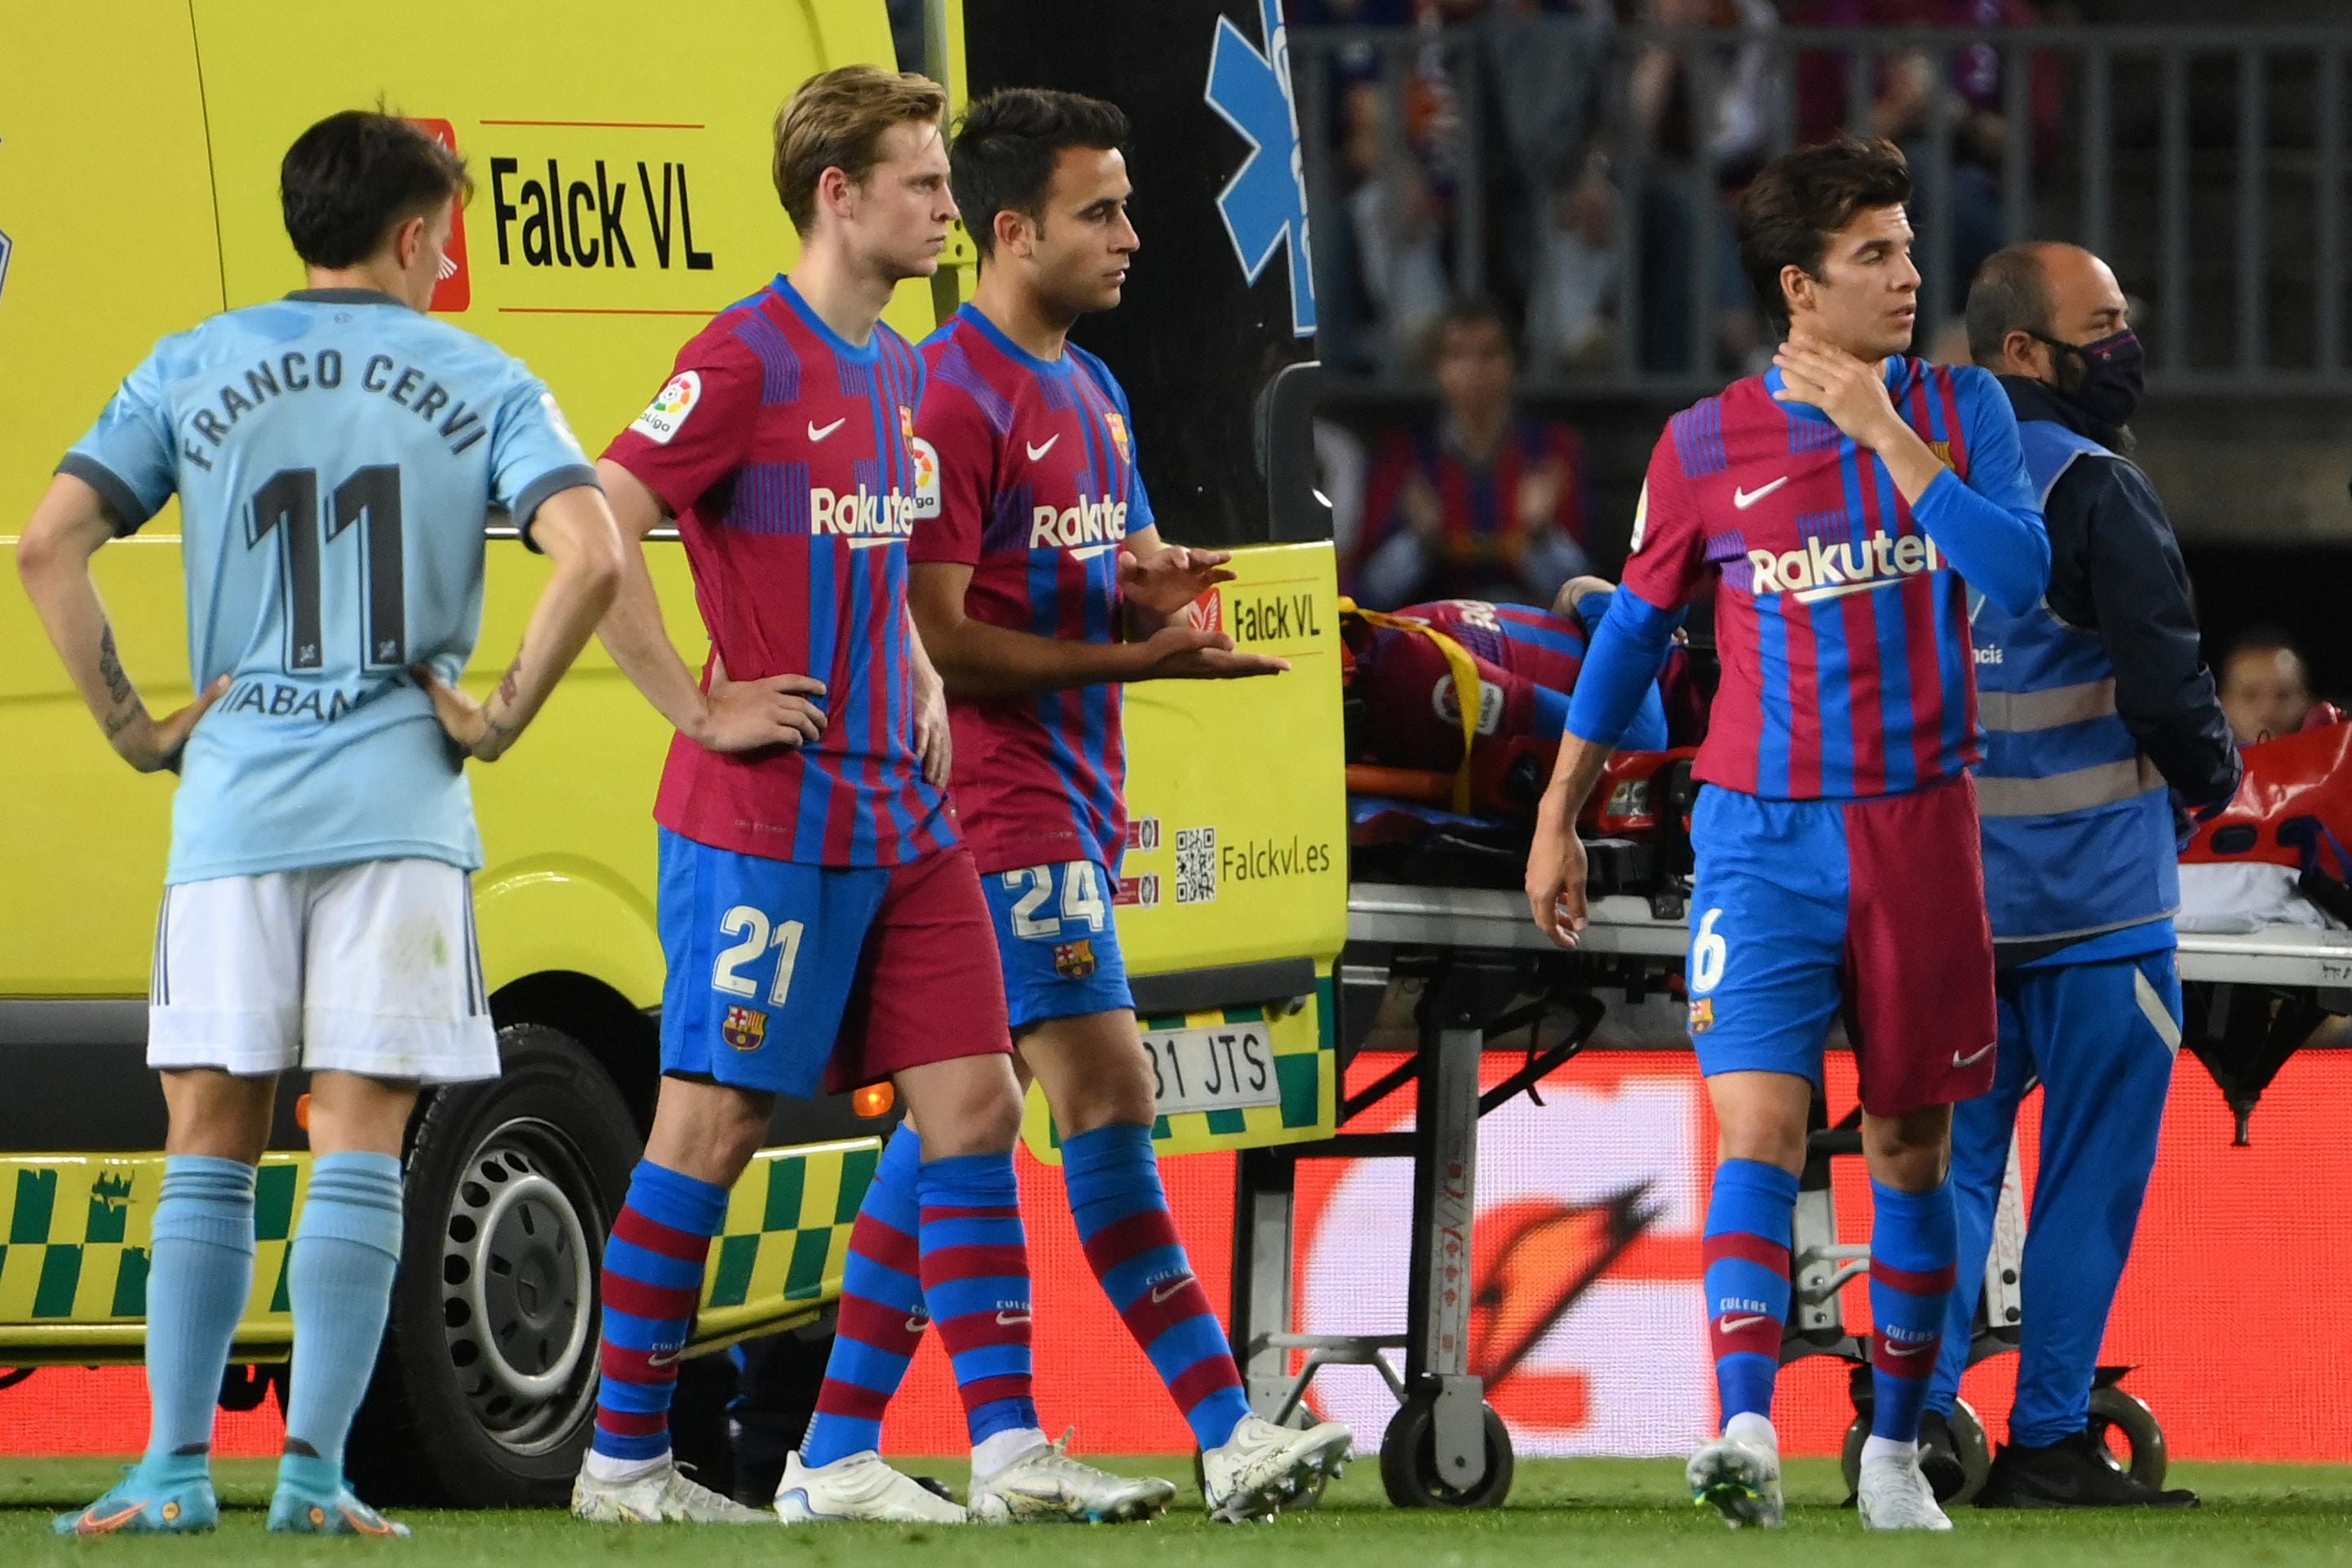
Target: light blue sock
x,y
199,1273
339,1274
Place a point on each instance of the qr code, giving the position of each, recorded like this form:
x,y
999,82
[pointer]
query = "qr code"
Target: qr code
x,y
1196,865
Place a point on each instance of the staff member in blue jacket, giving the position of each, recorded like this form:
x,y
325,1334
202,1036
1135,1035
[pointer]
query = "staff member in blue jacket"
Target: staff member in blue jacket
x,y
2100,719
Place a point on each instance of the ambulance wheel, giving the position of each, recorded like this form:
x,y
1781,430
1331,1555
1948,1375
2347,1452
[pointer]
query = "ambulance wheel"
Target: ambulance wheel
x,y
1969,1439
1408,1459
486,1388
2129,1434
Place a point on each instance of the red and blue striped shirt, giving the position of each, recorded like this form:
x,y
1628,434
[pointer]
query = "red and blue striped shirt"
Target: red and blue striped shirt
x,y
1840,613
788,456
1037,492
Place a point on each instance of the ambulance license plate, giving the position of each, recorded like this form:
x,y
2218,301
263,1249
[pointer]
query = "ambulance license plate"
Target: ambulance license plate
x,y
1223,1066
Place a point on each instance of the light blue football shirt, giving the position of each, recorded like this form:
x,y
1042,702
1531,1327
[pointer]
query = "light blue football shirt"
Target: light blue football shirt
x,y
336,455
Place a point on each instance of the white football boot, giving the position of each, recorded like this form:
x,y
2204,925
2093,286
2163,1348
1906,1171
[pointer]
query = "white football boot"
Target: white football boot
x,y
664,1496
1739,1477
1045,1485
1892,1495
1263,1469
858,1486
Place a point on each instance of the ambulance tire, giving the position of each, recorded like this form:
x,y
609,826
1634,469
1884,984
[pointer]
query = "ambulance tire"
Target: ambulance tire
x,y
485,1390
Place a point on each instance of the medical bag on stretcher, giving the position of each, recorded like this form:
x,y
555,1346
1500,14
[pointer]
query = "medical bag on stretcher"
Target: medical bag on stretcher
x,y
1470,828
2294,811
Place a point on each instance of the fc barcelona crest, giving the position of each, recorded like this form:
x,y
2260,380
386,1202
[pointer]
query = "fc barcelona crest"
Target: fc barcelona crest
x,y
1075,960
746,1028
1118,432
1943,450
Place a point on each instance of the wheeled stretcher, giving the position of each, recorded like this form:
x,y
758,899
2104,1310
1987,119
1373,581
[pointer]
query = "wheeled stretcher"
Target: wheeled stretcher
x,y
1485,972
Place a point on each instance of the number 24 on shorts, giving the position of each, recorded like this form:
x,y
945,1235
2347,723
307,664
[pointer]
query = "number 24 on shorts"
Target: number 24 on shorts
x,y
1082,901
756,935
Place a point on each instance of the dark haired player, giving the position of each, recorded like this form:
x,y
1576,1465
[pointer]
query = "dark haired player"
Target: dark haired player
x,y
1034,551
334,453
821,921
1840,498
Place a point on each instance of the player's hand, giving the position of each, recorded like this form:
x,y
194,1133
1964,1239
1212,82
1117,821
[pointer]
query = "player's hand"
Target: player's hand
x,y
934,742
153,746
745,715
1576,590
1173,578
1555,880
1854,394
1179,652
466,722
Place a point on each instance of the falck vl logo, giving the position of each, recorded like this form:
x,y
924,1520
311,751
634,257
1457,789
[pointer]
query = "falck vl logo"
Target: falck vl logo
x,y
1265,204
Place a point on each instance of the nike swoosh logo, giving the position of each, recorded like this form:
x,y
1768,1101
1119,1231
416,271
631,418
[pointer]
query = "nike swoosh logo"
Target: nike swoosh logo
x,y
917,1323
1037,452
1733,1325
818,435
870,543
1088,552
88,1525
1160,1293
1009,1319
664,1358
1895,1349
1743,499
1973,1058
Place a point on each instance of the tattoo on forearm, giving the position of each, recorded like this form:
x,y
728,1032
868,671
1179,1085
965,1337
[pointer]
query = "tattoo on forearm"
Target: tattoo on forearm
x,y
512,683
118,691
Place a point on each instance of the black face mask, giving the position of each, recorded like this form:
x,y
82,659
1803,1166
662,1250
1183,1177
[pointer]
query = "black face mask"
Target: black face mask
x,y
2114,376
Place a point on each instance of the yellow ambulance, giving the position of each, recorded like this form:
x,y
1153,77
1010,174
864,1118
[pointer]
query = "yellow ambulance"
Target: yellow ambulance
x,y
620,203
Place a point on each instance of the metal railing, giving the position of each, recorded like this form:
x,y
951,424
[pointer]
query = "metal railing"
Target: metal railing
x,y
2207,164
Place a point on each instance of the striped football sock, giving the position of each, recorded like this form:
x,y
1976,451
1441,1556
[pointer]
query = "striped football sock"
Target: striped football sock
x,y
1913,1253
1750,1218
882,1315
1132,1244
652,1283
975,1274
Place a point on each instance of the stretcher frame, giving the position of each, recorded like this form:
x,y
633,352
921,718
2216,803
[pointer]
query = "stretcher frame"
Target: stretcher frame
x,y
1476,951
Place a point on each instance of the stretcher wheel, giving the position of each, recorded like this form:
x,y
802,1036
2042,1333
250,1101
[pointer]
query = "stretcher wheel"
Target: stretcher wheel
x,y
1969,1439
2129,1434
1408,1459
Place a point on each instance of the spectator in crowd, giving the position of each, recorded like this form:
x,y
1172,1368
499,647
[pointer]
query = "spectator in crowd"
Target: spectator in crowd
x,y
2265,688
1692,109
1485,501
1903,107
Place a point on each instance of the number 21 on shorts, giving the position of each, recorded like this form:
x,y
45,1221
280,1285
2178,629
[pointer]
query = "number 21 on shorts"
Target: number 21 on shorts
x,y
756,936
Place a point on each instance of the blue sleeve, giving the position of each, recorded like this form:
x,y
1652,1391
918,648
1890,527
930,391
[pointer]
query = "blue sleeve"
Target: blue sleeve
x,y
1988,526
129,457
1647,730
533,454
1620,679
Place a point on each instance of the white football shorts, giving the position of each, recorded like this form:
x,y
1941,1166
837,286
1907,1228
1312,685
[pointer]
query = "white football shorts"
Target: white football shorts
x,y
370,968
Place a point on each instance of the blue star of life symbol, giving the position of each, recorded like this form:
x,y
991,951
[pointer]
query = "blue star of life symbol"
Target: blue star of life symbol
x,y
1265,204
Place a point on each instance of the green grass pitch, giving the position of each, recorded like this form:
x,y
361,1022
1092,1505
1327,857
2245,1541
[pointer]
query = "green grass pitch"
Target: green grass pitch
x,y
1617,1513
